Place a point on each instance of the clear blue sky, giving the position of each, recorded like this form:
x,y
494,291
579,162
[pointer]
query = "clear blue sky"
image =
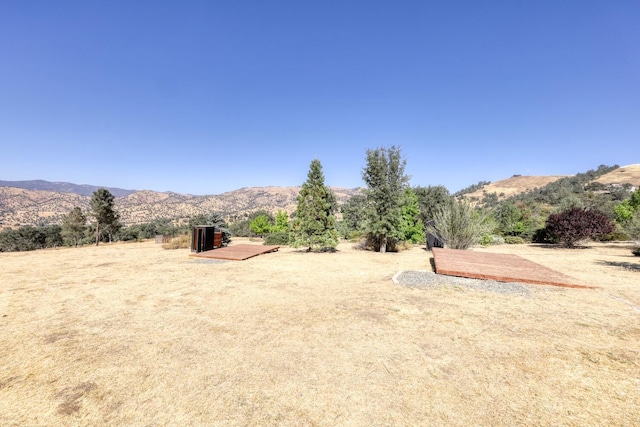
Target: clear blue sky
x,y
204,97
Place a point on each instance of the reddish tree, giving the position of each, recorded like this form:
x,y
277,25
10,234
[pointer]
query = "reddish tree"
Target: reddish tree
x,y
577,224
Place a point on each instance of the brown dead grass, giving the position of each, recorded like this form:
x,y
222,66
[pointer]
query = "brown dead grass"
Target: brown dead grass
x,y
629,174
131,334
515,185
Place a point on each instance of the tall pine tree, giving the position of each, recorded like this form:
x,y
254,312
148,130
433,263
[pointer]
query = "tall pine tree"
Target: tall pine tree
x,y
314,225
74,225
103,210
386,182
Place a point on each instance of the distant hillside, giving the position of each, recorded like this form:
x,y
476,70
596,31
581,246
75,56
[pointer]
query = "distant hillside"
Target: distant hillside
x,y
629,174
511,186
63,187
20,206
519,184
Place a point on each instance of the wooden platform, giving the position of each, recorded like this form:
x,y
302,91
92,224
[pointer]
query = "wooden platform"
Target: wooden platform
x,y
500,267
237,252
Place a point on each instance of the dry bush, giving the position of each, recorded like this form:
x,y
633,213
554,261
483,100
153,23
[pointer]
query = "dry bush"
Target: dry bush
x,y
179,242
458,225
404,246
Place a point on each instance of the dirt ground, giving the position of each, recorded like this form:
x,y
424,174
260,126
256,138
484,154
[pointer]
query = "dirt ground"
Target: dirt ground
x,y
131,334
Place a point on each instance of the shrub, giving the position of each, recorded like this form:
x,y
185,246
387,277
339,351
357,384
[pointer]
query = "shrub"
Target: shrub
x,y
277,238
636,251
355,236
632,227
180,242
458,225
542,235
615,236
576,224
403,246
514,240
491,239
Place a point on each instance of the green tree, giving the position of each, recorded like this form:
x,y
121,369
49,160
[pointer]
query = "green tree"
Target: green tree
x,y
625,210
216,220
29,238
429,199
516,219
314,224
53,235
281,223
353,212
260,225
458,225
242,225
103,210
411,228
343,229
570,201
386,182
74,225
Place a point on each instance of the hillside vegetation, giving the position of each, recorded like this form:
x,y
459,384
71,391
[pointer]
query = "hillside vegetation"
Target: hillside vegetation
x,y
513,186
515,210
29,207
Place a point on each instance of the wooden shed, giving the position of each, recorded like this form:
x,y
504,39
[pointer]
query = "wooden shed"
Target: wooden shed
x,y
205,238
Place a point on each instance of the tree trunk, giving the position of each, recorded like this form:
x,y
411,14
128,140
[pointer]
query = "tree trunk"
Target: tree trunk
x,y
383,245
97,233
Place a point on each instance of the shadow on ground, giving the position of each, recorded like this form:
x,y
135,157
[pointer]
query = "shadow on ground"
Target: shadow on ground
x,y
559,246
633,266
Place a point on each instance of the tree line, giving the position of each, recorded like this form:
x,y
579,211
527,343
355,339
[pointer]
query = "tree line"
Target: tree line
x,y
389,213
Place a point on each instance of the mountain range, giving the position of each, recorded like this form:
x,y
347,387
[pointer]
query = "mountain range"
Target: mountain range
x,y
64,187
43,202
22,206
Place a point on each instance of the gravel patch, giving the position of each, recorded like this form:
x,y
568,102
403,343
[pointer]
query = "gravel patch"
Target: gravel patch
x,y
209,261
425,279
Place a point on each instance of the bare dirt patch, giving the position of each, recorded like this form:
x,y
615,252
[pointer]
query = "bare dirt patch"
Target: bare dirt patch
x,y
131,334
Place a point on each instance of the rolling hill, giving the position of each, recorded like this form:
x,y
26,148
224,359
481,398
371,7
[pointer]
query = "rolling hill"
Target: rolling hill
x,y
20,206
63,187
520,184
629,174
511,186
47,203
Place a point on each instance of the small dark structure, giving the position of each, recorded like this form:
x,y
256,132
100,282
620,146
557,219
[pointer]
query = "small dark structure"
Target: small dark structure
x,y
205,238
433,241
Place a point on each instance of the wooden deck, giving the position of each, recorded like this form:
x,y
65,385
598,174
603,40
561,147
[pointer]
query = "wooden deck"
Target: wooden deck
x,y
500,267
236,252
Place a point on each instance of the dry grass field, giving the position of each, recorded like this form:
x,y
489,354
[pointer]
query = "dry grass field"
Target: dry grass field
x,y
131,334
